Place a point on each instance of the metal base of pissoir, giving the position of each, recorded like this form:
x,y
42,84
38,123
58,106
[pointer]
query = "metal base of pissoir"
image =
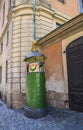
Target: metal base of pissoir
x,y
35,113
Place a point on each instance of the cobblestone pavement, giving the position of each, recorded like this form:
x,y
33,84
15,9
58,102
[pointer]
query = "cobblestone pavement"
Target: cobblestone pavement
x,y
57,119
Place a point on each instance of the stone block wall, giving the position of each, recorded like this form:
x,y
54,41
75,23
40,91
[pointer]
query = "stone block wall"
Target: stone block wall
x,y
20,28
55,99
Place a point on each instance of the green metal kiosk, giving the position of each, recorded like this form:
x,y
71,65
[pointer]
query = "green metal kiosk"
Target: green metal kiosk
x,y
35,84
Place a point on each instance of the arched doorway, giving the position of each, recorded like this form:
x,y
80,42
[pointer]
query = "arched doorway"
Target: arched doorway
x,y
75,74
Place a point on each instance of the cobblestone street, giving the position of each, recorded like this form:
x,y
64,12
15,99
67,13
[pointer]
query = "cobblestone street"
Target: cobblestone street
x,y
57,119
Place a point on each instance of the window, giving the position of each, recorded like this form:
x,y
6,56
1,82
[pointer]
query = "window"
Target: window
x,y
7,37
58,25
63,1
81,6
11,3
6,71
1,48
3,14
0,74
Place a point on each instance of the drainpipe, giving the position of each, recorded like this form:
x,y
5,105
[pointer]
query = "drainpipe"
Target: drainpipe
x,y
34,19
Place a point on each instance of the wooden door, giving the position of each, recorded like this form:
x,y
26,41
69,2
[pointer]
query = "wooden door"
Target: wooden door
x,y
75,74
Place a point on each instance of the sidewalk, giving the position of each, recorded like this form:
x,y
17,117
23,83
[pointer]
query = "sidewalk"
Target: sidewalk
x,y
57,119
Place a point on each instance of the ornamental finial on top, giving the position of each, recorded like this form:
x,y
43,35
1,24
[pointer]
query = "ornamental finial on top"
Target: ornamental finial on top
x,y
34,46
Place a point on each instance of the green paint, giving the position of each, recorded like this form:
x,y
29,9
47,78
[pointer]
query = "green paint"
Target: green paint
x,y
35,90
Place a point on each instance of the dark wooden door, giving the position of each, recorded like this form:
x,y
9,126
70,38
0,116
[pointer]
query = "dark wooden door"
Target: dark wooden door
x,y
75,74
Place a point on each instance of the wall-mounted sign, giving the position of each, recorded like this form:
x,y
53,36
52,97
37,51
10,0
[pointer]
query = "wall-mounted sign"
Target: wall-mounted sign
x,y
34,67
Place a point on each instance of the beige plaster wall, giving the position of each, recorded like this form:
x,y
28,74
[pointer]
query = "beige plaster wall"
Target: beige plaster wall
x,y
2,26
3,58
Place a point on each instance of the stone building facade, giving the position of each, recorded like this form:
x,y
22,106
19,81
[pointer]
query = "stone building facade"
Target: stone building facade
x,y
16,35
64,50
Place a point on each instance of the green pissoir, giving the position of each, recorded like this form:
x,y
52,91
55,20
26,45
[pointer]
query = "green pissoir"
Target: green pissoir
x,y
35,90
35,85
